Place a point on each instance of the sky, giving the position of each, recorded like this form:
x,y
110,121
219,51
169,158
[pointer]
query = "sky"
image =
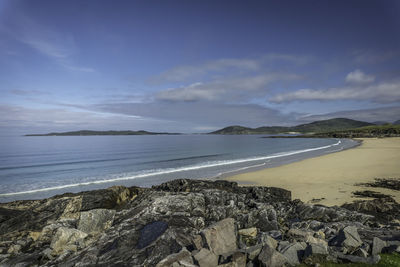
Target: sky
x,y
196,66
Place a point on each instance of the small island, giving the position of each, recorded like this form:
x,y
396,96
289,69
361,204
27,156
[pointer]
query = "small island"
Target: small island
x,y
89,133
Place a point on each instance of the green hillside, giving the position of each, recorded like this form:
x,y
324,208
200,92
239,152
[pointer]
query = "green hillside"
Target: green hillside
x,y
313,127
388,130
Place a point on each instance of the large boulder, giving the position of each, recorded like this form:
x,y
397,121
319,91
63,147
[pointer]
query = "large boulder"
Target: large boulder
x,y
348,239
96,221
294,252
377,245
269,257
206,258
181,258
221,237
67,239
238,259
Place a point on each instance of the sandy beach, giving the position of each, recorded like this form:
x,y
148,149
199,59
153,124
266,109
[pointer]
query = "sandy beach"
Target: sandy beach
x,y
332,177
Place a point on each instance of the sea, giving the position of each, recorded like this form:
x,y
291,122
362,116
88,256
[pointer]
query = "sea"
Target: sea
x,y
42,166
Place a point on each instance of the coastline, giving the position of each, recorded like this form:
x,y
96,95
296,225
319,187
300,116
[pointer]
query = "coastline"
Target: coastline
x,y
330,179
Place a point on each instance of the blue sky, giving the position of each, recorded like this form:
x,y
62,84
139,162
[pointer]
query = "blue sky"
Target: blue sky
x,y
195,66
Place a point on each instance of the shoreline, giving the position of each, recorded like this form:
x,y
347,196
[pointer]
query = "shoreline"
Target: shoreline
x,y
289,160
330,179
219,170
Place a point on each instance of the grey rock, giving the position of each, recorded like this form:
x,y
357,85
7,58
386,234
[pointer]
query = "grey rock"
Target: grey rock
x,y
197,242
96,221
268,240
180,258
298,235
348,238
248,232
269,257
377,245
151,225
361,253
67,239
206,258
252,252
238,259
150,232
294,252
221,237
313,249
282,245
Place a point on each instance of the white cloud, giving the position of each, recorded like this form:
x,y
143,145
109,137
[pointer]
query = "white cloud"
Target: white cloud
x,y
374,57
358,76
201,113
46,40
386,92
230,88
227,66
186,72
193,92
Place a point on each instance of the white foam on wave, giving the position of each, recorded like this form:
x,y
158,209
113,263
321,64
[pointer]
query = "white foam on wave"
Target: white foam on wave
x,y
172,170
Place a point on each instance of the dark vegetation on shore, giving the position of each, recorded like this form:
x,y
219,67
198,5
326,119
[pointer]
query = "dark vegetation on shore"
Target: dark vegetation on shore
x,y
388,130
88,133
196,223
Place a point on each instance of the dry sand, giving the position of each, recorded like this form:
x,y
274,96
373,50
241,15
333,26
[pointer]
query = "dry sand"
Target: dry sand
x,y
332,177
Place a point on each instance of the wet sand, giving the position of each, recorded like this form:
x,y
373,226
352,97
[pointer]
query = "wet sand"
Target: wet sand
x,y
331,178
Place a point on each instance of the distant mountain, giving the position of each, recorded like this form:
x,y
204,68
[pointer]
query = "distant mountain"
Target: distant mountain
x,y
313,127
246,130
396,122
88,133
330,125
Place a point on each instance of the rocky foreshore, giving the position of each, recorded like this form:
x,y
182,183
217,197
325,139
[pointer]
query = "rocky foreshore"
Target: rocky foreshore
x,y
193,223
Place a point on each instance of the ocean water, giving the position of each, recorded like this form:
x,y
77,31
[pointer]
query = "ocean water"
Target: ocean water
x,y
38,167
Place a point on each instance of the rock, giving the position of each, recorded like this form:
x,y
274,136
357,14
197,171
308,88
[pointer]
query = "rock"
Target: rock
x,y
315,253
268,240
298,235
265,218
237,260
356,259
269,257
306,236
320,234
313,249
96,221
247,237
67,239
150,232
252,252
183,256
282,245
384,210
206,258
293,253
197,242
176,222
221,237
348,238
377,245
249,232
361,253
